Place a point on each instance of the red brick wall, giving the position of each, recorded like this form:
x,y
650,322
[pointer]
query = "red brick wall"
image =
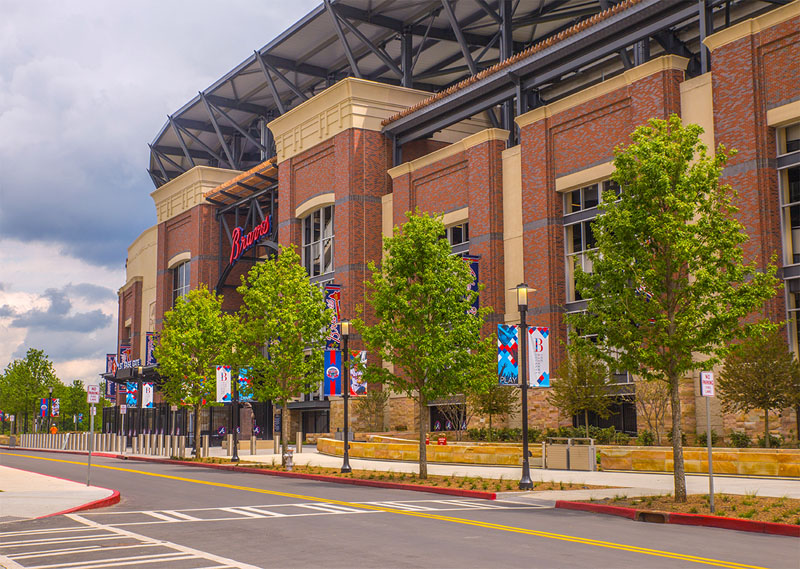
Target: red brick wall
x,y
578,138
473,179
750,76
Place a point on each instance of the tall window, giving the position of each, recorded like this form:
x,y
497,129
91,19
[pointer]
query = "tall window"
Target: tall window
x,y
318,258
789,178
458,236
180,281
580,207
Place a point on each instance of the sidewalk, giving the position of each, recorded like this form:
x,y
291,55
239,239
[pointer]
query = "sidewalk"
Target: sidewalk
x,y
27,495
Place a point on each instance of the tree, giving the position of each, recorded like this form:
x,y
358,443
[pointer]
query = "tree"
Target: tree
x,y
581,385
652,403
73,403
24,382
497,400
759,374
284,321
424,327
372,407
669,282
196,337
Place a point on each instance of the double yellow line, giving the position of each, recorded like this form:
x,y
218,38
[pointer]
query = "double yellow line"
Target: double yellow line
x,y
430,516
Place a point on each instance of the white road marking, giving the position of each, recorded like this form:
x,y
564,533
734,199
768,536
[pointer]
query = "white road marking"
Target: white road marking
x,y
73,550
403,506
118,561
331,508
265,513
181,515
158,516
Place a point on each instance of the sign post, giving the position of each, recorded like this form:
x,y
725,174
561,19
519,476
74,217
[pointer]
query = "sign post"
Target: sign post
x,y
123,409
707,390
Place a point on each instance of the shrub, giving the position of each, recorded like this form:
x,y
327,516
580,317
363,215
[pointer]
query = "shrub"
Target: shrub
x,y
774,441
683,437
645,438
622,439
703,441
739,440
534,435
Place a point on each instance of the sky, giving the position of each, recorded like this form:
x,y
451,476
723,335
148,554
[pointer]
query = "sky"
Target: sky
x,y
84,86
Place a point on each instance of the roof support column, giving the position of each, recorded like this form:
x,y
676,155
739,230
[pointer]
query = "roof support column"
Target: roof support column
x,y
338,27
506,51
448,10
221,138
406,57
706,29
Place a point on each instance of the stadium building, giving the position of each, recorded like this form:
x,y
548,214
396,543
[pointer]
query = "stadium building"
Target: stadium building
x,y
500,115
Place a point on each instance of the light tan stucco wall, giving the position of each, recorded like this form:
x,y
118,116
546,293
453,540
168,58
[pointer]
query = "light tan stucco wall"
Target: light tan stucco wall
x,y
187,190
697,106
141,265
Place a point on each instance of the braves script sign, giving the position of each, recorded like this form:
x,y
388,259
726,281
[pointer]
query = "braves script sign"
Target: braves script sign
x,y
243,243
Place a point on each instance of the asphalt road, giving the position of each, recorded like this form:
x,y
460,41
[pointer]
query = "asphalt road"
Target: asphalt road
x,y
185,517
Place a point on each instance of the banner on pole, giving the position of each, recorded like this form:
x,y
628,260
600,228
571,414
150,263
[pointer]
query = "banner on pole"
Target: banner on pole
x,y
43,407
539,356
111,389
472,263
147,395
125,353
111,364
223,384
507,354
131,394
333,297
332,384
245,386
358,361
55,407
149,349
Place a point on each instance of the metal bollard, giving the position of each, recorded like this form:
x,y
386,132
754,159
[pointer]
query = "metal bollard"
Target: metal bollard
x,y
253,445
230,444
299,442
205,442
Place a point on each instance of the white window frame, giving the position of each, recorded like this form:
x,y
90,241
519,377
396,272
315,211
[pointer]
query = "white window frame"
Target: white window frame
x,y
318,246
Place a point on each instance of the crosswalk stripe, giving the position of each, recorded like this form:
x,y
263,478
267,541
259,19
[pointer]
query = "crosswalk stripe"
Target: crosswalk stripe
x,y
266,513
242,512
181,515
404,506
330,508
74,550
119,561
158,516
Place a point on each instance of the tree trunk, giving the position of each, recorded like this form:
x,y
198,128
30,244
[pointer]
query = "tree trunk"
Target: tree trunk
x,y
423,456
679,472
586,421
767,441
197,430
283,435
489,437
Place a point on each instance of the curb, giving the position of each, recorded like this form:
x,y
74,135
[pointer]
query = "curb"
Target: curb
x,y
323,478
721,522
101,503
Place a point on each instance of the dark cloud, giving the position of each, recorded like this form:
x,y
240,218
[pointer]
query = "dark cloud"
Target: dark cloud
x,y
84,90
90,292
2,287
56,318
6,311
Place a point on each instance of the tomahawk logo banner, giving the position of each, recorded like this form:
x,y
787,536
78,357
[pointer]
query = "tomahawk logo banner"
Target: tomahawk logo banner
x,y
125,353
358,361
333,297
332,384
149,349
507,353
223,384
539,357
132,394
147,395
111,389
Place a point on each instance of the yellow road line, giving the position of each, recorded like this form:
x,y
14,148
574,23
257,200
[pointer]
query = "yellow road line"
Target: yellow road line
x,y
426,515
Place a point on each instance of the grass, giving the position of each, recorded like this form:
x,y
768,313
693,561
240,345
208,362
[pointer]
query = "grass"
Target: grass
x,y
749,507
453,481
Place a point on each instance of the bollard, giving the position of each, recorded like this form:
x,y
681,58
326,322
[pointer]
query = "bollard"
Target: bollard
x,y
253,444
204,450
276,445
167,448
230,444
299,442
182,446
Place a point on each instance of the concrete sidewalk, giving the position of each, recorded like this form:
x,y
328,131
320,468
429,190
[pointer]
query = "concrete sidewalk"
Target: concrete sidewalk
x,y
27,495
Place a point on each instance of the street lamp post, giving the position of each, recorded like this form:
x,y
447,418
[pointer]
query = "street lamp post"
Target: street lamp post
x,y
49,410
235,412
525,482
345,330
140,397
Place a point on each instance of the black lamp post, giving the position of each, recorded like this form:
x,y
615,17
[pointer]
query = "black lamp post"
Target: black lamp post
x,y
525,482
140,397
235,421
49,410
345,330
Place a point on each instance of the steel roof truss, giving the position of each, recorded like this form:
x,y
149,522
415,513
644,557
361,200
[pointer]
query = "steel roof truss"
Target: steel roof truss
x,y
295,89
266,178
462,43
181,141
244,133
210,150
343,40
221,138
159,154
382,55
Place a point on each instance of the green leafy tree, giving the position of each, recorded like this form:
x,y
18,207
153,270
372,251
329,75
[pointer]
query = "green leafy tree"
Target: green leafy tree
x,y
73,403
196,336
669,281
284,323
424,328
759,374
581,385
24,382
497,400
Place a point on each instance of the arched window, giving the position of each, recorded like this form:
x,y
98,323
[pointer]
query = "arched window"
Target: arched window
x,y
318,258
180,281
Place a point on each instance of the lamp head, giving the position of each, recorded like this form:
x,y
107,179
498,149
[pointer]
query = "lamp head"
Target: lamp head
x,y
344,328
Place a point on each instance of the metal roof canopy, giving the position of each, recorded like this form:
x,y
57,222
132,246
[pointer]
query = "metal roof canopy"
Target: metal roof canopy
x,y
424,44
